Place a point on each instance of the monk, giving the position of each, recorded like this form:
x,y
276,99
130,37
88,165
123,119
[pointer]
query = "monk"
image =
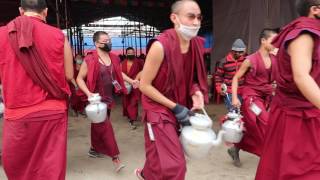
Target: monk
x,y
173,81
35,64
132,67
256,92
292,145
102,71
78,100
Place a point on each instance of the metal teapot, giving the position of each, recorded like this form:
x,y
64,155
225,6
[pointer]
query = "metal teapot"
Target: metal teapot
x,y
233,127
96,110
199,138
128,87
1,108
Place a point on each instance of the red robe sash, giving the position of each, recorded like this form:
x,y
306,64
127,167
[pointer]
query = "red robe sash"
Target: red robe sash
x,y
21,39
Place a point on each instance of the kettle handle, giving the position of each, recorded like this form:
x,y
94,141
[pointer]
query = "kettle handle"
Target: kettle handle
x,y
205,113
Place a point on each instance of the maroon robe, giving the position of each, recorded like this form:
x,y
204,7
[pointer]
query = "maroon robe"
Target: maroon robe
x,y
292,144
256,89
99,81
35,118
130,101
92,60
164,156
77,102
35,146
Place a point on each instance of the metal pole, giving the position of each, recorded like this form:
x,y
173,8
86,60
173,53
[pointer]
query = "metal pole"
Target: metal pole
x,y
140,38
122,34
58,13
135,39
146,36
131,43
71,36
66,14
126,35
77,32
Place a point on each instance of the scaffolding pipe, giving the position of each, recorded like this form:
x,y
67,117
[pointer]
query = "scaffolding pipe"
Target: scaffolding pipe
x,y
135,39
66,14
58,14
140,38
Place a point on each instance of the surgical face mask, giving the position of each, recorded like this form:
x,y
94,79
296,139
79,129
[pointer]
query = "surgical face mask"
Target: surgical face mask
x,y
79,61
130,56
188,32
107,47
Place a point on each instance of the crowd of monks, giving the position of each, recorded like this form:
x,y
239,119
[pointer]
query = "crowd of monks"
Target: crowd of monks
x,y
276,89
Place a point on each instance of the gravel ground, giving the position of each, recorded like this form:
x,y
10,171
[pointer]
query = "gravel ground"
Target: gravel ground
x,y
217,166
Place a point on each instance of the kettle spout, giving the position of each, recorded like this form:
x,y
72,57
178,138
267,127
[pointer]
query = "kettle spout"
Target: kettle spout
x,y
241,127
218,141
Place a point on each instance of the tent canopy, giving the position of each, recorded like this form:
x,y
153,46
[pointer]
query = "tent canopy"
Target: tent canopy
x,y
77,12
228,20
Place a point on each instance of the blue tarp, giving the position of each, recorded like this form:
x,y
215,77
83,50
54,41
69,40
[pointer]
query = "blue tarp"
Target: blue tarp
x,y
119,43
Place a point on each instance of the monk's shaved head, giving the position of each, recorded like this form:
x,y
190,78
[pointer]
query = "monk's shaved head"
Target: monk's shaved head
x,y
33,5
267,32
96,35
177,5
303,6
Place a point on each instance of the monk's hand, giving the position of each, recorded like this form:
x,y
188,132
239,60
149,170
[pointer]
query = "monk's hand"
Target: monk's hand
x,y
198,101
135,84
223,89
182,114
90,94
236,102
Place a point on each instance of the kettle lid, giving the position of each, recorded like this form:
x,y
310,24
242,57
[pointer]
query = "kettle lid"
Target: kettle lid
x,y
200,121
94,98
236,125
232,115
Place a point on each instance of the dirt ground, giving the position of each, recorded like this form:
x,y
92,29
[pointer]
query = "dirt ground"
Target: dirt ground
x,y
217,166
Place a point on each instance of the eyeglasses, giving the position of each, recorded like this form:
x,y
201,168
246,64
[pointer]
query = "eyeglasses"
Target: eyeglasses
x,y
192,16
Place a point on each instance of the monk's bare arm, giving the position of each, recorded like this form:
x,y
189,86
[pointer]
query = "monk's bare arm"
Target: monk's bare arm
x,y
80,79
300,51
138,76
127,78
68,60
150,70
235,81
242,70
74,83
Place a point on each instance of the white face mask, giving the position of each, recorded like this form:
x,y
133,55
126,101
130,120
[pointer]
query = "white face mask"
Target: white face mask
x,y
79,61
188,32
